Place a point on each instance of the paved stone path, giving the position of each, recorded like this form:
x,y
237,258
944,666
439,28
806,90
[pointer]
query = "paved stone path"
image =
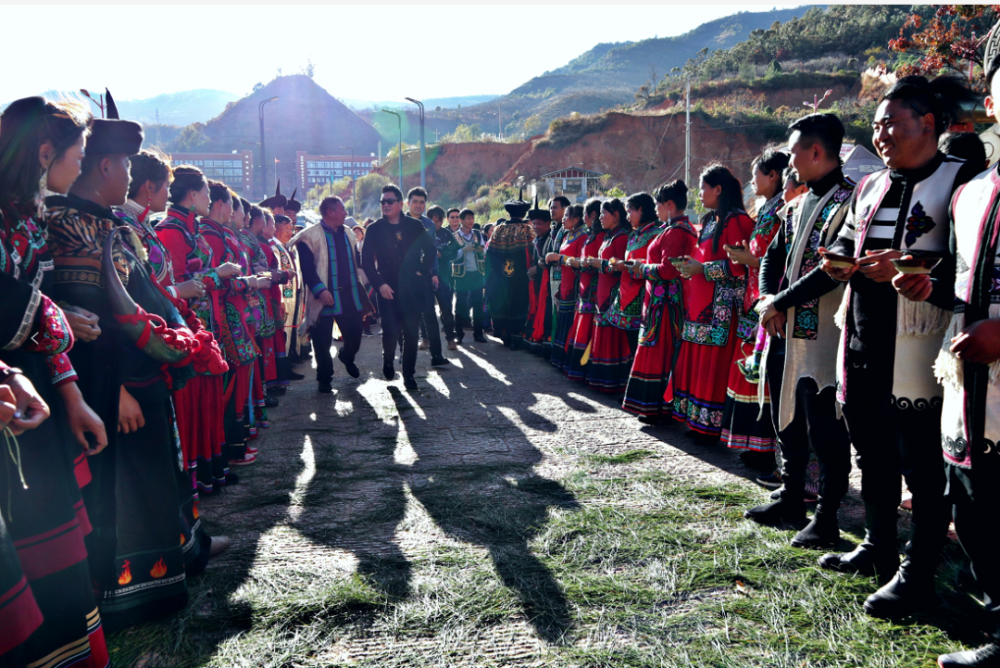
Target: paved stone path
x,y
371,477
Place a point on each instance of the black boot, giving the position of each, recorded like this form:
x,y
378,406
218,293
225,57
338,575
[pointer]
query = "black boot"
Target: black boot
x,y
822,531
865,559
789,509
878,554
987,656
910,592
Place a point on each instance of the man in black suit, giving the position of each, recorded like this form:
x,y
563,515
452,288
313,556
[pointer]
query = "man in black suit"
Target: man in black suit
x,y
397,257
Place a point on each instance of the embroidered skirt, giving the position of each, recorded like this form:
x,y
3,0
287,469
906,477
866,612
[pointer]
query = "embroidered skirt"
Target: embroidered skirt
x,y
648,380
47,523
741,430
136,557
561,329
581,332
698,387
610,359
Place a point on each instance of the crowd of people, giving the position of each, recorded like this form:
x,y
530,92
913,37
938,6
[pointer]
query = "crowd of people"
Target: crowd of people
x,y
152,316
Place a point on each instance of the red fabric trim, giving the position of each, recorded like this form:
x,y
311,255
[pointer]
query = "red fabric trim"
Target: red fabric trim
x,y
82,470
51,551
99,657
19,616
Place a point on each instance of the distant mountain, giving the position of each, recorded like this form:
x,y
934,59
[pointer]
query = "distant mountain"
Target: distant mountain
x,y
429,104
609,74
304,118
183,108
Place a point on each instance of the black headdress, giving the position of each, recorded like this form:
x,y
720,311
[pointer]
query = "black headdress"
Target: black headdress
x,y
276,200
539,214
517,207
112,135
293,204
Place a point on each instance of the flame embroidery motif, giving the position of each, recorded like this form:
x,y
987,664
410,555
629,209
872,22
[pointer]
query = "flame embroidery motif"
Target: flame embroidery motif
x,y
508,268
159,569
183,539
126,575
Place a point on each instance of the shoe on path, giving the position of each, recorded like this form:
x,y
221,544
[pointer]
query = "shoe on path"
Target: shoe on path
x,y
389,371
246,461
410,383
424,345
440,361
325,388
452,345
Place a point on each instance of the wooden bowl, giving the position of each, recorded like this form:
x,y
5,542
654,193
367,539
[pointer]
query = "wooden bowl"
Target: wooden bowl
x,y
838,261
916,265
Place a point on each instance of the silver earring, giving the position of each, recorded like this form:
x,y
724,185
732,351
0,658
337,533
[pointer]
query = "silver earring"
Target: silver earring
x,y
43,186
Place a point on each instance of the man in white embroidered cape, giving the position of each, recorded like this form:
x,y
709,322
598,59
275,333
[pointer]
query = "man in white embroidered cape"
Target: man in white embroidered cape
x,y
891,400
797,307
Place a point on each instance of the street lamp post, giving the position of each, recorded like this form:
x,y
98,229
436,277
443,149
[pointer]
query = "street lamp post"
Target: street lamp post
x,y
263,162
399,120
354,191
422,166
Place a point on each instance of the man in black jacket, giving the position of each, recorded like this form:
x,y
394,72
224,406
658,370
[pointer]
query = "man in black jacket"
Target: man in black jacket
x,y
397,257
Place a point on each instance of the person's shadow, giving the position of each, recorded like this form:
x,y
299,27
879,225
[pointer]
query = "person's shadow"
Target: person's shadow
x,y
476,481
355,499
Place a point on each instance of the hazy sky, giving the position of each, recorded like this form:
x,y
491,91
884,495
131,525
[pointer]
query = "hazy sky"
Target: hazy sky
x,y
373,52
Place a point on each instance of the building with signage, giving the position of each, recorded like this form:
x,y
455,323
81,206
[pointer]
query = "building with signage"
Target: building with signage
x,y
315,169
572,182
234,169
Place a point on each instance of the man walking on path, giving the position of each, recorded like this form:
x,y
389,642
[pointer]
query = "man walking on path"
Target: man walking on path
x,y
416,200
328,257
397,258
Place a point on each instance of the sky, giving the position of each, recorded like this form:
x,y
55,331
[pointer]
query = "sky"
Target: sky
x,y
373,52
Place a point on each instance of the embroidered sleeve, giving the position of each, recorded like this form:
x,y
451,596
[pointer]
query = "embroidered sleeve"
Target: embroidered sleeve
x,y
61,370
317,289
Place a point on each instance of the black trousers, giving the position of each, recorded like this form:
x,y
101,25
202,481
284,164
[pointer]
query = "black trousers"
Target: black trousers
x,y
464,300
397,319
428,322
349,323
443,295
893,441
973,495
814,425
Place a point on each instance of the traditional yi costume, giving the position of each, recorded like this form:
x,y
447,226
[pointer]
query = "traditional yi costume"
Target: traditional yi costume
x,y
885,360
48,612
582,329
741,428
712,301
610,355
538,326
662,319
508,256
570,246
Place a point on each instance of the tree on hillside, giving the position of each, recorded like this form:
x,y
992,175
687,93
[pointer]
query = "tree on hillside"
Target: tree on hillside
x,y
463,133
191,138
952,40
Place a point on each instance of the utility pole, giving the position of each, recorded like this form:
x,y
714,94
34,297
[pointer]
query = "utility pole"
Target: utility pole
x,y
263,162
158,142
420,104
436,137
687,134
354,179
500,121
399,120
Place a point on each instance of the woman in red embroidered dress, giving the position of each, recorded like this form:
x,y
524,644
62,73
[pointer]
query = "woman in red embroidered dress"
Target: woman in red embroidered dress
x,y
582,328
609,354
574,236
45,517
713,295
191,259
662,308
741,430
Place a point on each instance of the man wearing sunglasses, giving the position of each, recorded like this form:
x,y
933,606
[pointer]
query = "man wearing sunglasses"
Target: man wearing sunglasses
x,y
397,258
